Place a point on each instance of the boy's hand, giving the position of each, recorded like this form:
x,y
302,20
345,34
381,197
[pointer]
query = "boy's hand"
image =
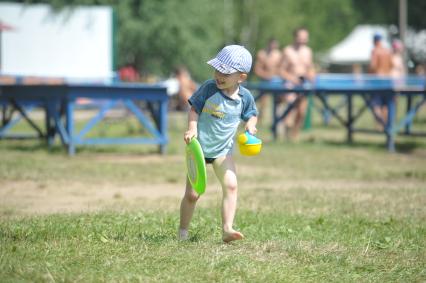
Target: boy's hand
x,y
189,135
251,125
251,129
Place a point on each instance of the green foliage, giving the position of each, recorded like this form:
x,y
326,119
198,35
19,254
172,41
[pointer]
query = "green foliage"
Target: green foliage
x,y
278,19
375,12
160,35
171,34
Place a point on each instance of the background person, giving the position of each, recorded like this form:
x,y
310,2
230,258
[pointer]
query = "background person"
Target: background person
x,y
381,58
186,87
398,65
297,67
129,72
380,65
267,67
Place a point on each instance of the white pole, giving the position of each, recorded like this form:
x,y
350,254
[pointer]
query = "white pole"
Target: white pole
x,y
403,26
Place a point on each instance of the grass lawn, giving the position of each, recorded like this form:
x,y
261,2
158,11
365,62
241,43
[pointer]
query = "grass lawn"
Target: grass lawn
x,y
318,210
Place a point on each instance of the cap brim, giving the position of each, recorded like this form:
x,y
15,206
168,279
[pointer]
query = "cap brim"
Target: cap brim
x,y
220,67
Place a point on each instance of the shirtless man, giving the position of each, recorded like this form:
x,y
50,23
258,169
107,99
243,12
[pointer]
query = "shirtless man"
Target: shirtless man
x,y
381,58
267,67
398,66
296,68
380,65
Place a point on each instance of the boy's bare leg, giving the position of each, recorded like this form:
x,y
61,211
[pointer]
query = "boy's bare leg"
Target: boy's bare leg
x,y
187,207
224,169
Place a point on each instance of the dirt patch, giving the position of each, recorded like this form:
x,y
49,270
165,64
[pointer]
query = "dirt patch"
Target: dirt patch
x,y
28,197
134,159
31,197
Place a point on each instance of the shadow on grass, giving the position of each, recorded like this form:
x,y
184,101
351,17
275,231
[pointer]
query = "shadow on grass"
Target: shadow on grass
x,y
121,149
403,146
26,146
406,147
332,125
57,149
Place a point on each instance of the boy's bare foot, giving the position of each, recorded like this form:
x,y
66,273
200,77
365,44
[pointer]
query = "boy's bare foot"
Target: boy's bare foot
x,y
183,235
232,235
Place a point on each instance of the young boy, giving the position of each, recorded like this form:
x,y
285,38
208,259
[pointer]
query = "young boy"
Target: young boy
x,y
217,108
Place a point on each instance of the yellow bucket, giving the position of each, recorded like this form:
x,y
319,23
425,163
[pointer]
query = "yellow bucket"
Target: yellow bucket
x,y
249,145
250,149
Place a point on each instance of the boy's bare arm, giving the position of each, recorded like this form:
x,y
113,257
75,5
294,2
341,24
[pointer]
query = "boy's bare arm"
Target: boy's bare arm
x,y
192,125
251,125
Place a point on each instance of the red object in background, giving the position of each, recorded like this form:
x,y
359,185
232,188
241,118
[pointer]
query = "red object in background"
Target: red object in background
x,y
128,74
5,27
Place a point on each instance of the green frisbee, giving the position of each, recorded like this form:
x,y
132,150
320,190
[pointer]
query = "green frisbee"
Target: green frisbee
x,y
196,166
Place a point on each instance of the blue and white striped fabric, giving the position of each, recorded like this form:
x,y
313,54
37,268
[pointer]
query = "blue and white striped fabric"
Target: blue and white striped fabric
x,y
231,59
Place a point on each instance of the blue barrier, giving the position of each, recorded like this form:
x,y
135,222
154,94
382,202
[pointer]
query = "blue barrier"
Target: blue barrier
x,y
348,86
59,104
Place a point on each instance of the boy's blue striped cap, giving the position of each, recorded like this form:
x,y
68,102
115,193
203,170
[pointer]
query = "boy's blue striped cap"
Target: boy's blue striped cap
x,y
231,59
